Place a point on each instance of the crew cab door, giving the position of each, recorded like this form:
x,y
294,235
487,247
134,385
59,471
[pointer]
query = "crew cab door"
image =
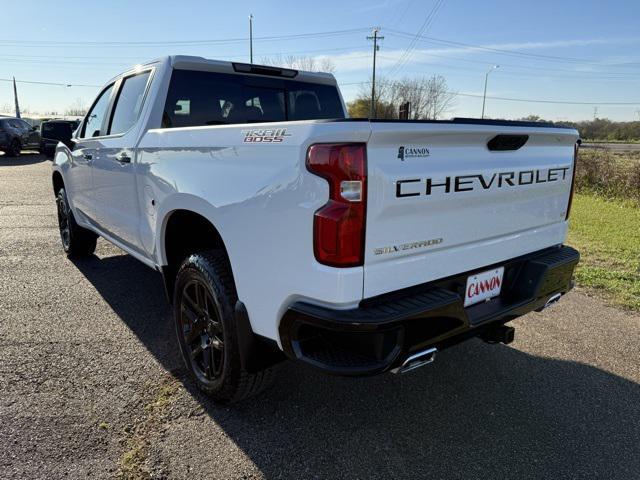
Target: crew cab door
x,y
79,178
114,170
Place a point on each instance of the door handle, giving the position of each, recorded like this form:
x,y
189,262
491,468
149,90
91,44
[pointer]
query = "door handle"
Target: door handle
x,y
124,158
88,156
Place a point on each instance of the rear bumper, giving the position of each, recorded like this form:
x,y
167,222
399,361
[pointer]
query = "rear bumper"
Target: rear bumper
x,y
384,331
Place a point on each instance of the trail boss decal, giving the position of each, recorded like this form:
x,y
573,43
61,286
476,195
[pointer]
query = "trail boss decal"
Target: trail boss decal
x,y
265,135
412,152
414,187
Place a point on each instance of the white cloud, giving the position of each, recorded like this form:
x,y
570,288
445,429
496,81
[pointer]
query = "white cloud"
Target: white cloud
x,y
361,60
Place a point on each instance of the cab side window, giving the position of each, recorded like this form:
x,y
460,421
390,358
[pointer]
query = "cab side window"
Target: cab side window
x,y
93,124
129,102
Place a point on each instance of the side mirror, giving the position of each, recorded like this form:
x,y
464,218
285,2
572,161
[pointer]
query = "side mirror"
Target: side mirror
x,y
71,143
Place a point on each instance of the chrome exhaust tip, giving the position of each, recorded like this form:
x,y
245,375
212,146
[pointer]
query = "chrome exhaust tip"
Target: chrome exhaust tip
x,y
552,301
417,360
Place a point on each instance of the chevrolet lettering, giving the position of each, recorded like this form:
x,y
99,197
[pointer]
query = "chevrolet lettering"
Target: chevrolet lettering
x,y
414,187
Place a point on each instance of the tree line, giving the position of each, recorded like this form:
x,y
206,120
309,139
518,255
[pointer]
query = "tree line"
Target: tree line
x,y
601,129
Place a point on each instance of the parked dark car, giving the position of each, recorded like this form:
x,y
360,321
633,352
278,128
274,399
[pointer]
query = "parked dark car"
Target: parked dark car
x,y
54,131
16,135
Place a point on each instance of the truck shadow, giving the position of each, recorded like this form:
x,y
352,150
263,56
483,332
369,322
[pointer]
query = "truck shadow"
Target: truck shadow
x,y
478,411
25,158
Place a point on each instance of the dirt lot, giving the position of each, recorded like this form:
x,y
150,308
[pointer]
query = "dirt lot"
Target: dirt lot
x,y
91,385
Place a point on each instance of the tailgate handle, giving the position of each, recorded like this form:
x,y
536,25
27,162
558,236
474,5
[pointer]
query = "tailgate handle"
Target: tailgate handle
x,y
507,142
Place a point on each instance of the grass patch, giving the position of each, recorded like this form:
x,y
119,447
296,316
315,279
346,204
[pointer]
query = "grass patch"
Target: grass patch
x,y
138,437
607,234
609,174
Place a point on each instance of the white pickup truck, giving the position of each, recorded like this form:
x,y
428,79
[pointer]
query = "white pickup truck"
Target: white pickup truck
x,y
284,229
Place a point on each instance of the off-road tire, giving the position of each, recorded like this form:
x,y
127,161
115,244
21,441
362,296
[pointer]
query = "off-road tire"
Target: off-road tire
x,y
211,269
76,241
14,148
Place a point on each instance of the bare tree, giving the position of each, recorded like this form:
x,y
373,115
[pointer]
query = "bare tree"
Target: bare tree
x,y
77,109
301,62
429,97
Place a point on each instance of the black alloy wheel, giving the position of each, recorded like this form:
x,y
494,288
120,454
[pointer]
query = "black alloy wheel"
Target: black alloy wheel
x,y
76,240
202,331
204,301
63,221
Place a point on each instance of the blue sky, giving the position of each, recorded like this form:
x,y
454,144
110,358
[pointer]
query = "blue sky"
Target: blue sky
x,y
595,47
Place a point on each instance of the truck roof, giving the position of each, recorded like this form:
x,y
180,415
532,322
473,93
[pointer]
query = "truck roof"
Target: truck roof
x,y
189,62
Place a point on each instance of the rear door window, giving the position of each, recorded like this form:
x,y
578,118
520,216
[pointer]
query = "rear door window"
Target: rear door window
x,y
129,102
209,98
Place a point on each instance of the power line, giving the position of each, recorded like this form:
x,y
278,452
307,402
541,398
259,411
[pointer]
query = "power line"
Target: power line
x,y
225,41
526,100
407,53
503,51
539,73
50,83
48,58
402,15
531,67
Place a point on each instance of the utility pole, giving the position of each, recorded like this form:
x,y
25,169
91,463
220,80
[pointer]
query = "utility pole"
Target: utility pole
x,y
375,38
15,95
251,38
486,78
595,113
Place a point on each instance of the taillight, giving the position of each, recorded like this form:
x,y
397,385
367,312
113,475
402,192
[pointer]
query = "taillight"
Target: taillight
x,y
573,178
339,225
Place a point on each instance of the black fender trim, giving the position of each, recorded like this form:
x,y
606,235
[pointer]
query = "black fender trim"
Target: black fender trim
x,y
168,280
256,352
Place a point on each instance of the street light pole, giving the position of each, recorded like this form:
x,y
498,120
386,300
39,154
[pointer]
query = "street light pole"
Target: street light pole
x,y
484,96
15,97
251,38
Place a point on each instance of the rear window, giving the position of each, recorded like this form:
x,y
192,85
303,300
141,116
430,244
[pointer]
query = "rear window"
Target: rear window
x,y
209,98
58,130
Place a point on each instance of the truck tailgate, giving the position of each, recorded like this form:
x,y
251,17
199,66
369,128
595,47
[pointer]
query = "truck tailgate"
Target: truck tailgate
x,y
440,202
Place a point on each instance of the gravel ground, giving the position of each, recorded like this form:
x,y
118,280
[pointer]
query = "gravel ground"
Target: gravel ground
x,y
91,385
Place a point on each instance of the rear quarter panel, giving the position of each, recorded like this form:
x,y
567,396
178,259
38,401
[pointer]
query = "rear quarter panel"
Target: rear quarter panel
x,y
261,199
